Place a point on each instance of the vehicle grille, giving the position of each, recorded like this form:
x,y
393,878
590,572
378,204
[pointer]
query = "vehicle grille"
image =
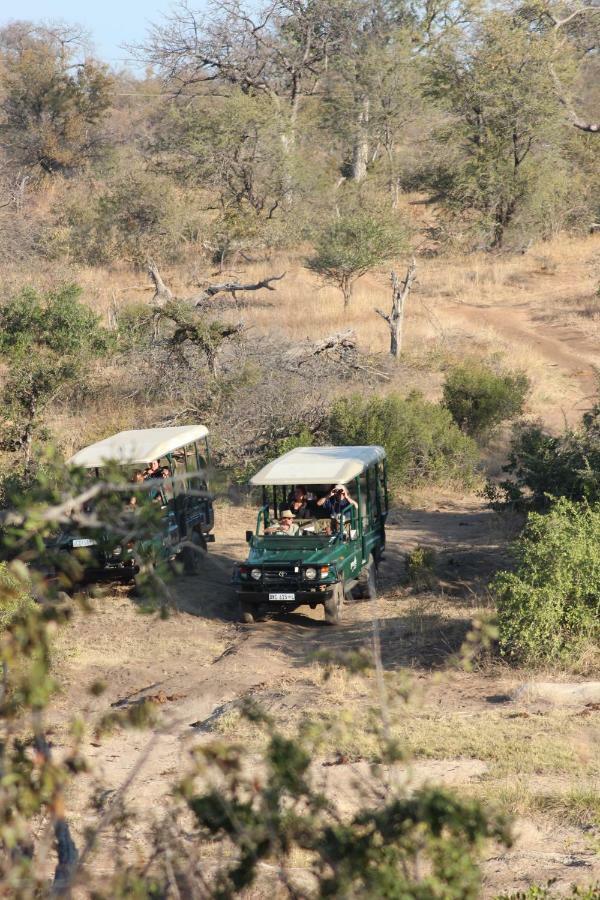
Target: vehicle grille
x,y
280,576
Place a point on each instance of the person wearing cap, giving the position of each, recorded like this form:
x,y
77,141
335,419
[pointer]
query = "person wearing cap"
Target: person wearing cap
x,y
337,500
285,524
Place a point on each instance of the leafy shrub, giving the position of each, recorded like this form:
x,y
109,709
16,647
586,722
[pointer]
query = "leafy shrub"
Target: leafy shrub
x,y
421,439
420,567
134,325
13,598
543,466
479,398
549,607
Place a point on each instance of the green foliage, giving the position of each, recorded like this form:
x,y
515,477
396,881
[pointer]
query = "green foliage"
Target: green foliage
x,y
543,466
14,599
420,567
479,398
134,326
52,110
47,340
503,165
421,439
351,245
424,845
549,607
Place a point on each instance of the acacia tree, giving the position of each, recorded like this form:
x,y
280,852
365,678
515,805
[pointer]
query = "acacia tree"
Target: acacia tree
x,y
52,106
349,246
500,154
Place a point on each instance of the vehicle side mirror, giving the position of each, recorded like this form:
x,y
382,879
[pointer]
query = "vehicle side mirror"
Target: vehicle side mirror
x,y
249,536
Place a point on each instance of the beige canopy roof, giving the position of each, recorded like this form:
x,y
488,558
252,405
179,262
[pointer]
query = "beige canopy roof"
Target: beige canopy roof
x,y
140,446
319,465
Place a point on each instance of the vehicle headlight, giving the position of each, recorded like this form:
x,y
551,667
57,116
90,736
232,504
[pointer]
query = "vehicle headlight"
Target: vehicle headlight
x,y
256,574
310,574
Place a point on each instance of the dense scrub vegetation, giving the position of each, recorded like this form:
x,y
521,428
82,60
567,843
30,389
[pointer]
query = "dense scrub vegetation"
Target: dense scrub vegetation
x,y
252,131
421,440
549,607
544,466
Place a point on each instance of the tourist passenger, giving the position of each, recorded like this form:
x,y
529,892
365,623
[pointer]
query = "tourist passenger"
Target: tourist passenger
x,y
299,503
136,478
336,501
285,524
152,470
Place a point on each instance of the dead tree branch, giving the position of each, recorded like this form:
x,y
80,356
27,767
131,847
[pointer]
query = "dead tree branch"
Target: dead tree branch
x,y
162,294
395,319
234,287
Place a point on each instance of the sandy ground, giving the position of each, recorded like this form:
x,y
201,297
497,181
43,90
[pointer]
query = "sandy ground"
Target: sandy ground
x,y
201,661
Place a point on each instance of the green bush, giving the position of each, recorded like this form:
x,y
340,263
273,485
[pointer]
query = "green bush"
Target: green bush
x,y
544,466
134,325
13,598
421,440
549,607
479,398
420,567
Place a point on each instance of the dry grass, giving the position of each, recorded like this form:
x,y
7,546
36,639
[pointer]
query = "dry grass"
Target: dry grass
x,y
538,312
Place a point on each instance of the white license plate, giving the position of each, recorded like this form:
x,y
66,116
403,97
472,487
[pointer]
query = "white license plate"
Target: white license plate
x,y
84,542
282,597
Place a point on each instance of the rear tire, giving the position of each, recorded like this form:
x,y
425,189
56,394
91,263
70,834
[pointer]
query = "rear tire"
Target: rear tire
x,y
367,581
191,556
333,605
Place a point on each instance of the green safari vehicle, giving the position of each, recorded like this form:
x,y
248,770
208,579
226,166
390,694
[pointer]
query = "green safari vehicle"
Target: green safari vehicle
x,y
320,531
182,496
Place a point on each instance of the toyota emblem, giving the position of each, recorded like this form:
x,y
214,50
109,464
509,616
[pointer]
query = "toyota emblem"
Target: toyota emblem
x,y
281,574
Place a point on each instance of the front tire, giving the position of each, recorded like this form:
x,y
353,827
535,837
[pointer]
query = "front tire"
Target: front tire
x,y
367,581
333,605
247,612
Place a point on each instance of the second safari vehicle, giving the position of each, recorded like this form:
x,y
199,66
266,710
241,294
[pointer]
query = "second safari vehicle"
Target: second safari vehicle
x,y
320,531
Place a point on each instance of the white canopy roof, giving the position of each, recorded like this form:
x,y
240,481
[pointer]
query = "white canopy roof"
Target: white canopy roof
x,y
141,446
318,465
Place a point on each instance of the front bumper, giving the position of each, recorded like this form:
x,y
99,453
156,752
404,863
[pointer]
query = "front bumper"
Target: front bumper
x,y
111,572
301,597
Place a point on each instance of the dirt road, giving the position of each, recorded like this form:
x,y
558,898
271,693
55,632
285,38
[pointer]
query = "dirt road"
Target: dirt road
x,y
565,354
200,662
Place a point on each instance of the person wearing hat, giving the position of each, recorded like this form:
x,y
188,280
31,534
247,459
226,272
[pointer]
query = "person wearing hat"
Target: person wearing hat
x,y
337,500
285,524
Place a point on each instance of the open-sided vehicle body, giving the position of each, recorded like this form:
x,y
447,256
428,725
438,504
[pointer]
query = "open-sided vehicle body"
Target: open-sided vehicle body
x,y
185,504
332,553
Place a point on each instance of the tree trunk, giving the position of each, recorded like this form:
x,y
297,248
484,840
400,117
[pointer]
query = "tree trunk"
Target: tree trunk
x,y
395,319
346,285
360,151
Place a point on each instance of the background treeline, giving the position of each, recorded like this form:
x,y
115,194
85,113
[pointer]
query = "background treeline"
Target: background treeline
x,y
254,129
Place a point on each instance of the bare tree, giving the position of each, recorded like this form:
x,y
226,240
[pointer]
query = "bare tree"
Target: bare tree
x,y
395,319
279,50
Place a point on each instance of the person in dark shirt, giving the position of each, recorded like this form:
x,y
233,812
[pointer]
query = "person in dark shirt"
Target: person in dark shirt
x,y
336,501
300,504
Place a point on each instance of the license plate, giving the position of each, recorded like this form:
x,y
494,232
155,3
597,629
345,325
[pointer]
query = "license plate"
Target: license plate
x,y
84,542
282,597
